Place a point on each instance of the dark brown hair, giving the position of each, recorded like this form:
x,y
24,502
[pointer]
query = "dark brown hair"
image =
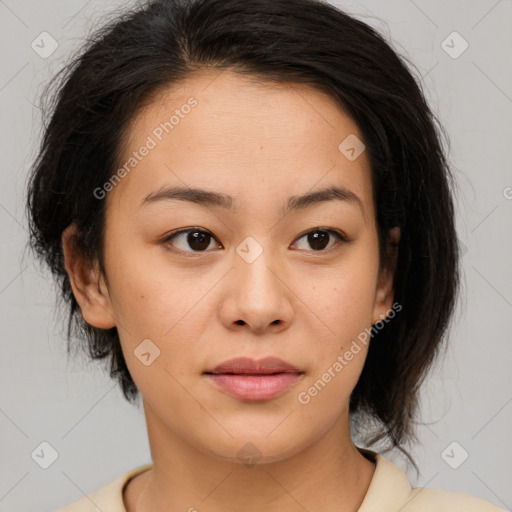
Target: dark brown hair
x,y
156,45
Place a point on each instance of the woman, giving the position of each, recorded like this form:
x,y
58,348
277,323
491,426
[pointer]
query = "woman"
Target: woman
x,y
248,209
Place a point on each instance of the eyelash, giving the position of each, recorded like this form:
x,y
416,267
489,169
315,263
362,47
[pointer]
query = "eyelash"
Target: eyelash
x,y
342,238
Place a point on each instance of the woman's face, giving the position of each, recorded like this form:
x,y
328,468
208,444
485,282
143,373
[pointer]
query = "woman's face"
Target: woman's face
x,y
256,271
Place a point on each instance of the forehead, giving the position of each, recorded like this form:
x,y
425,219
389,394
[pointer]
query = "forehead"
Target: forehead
x,y
242,135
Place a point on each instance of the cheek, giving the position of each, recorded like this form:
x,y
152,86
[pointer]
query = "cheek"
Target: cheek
x,y
148,297
163,312
342,299
161,340
338,360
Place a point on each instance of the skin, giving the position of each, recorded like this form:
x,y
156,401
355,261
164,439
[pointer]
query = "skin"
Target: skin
x,y
260,143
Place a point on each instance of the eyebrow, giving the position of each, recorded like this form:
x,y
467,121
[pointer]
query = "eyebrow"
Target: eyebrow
x,y
209,198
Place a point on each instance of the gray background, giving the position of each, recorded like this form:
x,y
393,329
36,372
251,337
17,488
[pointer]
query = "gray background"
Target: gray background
x,y
76,408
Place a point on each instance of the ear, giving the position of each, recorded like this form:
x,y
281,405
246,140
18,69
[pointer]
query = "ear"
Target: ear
x,y
87,283
385,292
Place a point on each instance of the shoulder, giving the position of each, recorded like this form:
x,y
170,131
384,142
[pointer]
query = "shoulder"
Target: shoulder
x,y
438,500
108,497
391,491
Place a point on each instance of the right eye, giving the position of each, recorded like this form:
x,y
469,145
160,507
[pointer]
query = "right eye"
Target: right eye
x,y
197,239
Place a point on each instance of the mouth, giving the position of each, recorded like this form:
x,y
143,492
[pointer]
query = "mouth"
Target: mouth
x,y
247,373
255,381
246,365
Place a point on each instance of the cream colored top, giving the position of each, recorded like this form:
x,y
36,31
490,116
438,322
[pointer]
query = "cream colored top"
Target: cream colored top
x,y
389,491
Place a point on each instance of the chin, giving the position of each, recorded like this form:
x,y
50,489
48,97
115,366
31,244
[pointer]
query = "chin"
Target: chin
x,y
258,448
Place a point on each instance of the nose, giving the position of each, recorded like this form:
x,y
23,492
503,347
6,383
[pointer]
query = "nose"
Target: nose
x,y
258,296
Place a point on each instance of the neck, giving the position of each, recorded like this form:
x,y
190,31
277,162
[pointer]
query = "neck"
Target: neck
x,y
328,475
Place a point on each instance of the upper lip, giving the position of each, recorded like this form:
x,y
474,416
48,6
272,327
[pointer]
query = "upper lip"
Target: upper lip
x,y
244,365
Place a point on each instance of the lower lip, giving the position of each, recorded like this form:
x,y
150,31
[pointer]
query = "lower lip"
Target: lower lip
x,y
254,387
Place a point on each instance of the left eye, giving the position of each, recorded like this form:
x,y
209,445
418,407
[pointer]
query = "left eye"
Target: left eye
x,y
318,239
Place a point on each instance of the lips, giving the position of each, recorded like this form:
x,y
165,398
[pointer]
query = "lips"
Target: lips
x,y
245,365
246,379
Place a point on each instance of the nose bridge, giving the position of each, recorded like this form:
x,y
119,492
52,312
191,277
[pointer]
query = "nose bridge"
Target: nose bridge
x,y
256,269
258,296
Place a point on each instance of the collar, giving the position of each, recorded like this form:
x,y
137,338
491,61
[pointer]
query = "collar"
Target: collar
x,y
389,488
